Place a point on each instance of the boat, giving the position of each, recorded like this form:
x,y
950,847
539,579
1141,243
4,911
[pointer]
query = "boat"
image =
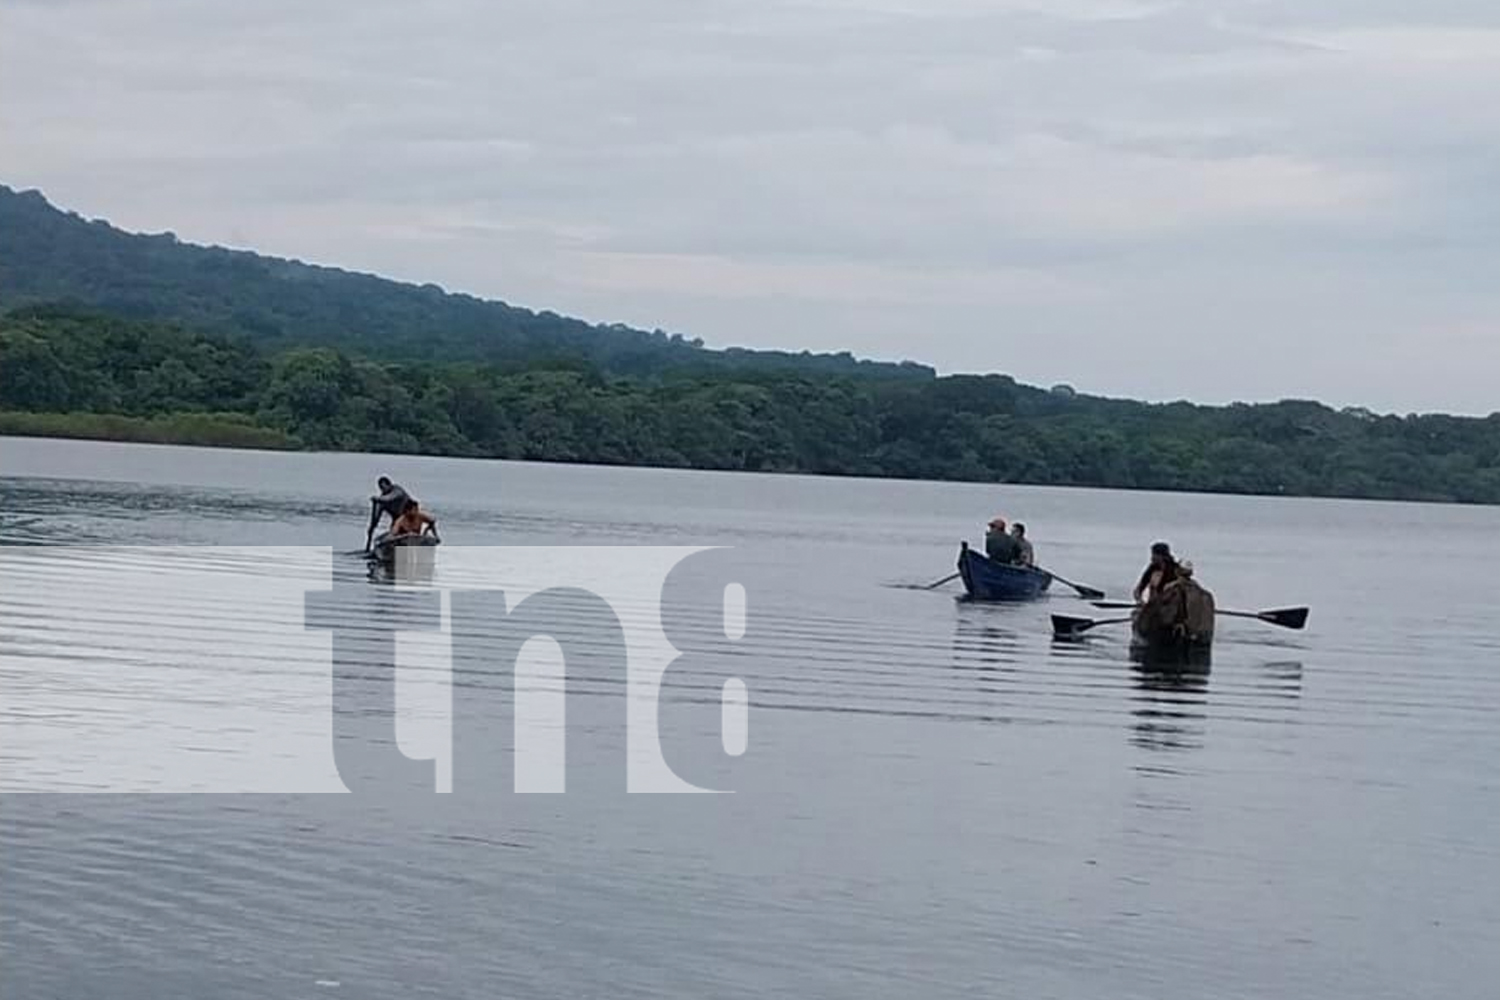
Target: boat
x,y
383,552
987,580
1174,628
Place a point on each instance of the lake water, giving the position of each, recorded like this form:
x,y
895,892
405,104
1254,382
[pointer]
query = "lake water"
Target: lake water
x,y
935,800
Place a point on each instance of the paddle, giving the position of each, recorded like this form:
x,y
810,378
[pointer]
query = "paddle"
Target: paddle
x,y
1066,626
374,522
1087,593
1293,618
939,583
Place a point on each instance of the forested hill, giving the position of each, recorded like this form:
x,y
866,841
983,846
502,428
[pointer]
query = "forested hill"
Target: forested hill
x,y
49,256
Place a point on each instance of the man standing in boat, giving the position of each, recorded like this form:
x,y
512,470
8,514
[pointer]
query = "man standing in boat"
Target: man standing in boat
x,y
391,501
1161,571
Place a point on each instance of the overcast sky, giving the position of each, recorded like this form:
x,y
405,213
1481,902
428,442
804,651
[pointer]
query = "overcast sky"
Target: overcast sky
x,y
1246,199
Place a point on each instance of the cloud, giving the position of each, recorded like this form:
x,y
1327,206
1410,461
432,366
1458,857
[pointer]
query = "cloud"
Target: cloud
x,y
1042,187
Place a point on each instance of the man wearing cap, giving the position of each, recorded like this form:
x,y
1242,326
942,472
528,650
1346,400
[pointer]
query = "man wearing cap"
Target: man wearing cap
x,y
998,545
1162,570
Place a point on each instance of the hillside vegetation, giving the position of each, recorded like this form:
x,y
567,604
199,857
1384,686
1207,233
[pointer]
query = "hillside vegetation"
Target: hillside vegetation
x,y
66,370
51,256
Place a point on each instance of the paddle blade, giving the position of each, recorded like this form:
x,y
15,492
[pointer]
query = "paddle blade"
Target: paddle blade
x,y
1294,618
1087,593
1066,626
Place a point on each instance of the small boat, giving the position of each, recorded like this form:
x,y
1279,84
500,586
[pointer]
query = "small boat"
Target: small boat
x,y
987,580
383,552
1175,628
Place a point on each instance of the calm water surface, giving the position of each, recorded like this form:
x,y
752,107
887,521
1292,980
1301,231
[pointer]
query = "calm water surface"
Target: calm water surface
x,y
936,801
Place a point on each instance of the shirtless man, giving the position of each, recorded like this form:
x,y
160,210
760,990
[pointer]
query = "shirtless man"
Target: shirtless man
x,y
413,521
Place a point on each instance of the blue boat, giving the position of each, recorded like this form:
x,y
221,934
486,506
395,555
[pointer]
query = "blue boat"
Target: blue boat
x,y
987,580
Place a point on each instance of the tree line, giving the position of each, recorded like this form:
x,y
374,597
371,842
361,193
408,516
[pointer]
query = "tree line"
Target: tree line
x,y
65,371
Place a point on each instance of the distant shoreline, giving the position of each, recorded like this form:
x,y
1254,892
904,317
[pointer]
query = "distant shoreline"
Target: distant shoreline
x,y
202,430
227,432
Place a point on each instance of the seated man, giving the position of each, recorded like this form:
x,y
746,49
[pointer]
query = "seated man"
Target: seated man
x,y
1025,553
998,545
413,522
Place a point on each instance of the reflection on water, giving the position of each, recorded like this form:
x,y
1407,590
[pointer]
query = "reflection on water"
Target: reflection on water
x,y
1171,704
1280,678
981,644
1168,706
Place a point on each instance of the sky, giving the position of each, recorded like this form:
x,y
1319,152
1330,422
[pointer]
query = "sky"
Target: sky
x,y
1211,200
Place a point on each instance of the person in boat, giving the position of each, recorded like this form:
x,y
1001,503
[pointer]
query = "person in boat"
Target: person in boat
x,y
1025,552
1161,571
413,522
390,501
1180,611
999,545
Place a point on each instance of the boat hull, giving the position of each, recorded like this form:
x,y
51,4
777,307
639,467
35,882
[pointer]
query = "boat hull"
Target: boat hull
x,y
1168,648
987,580
384,550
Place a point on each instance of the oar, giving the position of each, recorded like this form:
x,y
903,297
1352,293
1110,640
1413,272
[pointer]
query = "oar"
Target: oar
x,y
1066,625
1293,618
1087,593
374,522
1114,605
939,583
